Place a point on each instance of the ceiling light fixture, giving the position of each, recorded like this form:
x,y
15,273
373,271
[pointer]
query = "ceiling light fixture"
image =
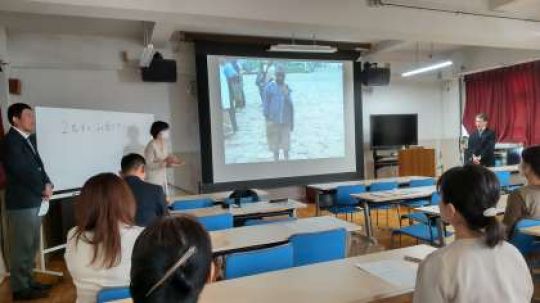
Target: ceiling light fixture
x,y
427,68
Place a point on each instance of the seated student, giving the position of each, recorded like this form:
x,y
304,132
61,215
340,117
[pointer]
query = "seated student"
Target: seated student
x,y
98,249
479,266
150,198
171,262
525,202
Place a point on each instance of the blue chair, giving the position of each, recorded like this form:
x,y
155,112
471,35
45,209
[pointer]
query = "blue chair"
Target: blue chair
x,y
419,231
191,204
217,222
258,261
344,202
382,186
419,183
526,244
420,216
505,181
253,222
112,294
317,247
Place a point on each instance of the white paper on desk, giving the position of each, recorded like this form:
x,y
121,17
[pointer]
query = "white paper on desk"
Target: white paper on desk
x,y
44,208
397,272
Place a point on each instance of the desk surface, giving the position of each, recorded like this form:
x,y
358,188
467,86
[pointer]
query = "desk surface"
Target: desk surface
x,y
397,194
337,281
434,210
334,185
246,209
510,168
533,231
217,196
240,238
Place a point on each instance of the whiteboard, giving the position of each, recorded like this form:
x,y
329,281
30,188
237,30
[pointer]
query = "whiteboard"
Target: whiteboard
x,y
76,144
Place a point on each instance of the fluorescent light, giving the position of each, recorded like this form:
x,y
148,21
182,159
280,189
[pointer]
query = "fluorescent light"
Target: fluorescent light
x,y
303,48
427,68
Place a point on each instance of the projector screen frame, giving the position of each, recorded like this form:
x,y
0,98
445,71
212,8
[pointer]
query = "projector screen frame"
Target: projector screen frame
x,y
206,48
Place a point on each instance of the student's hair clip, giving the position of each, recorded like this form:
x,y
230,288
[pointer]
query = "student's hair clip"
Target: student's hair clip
x,y
490,212
183,259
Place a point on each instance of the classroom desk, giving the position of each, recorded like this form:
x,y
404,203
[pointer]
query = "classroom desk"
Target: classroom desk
x,y
338,281
532,231
390,196
217,196
434,214
324,188
510,168
246,211
259,236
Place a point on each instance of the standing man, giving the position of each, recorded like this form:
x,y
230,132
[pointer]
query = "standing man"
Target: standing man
x,y
150,198
233,84
28,186
481,147
278,112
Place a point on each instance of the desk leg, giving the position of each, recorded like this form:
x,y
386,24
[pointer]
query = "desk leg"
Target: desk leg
x,y
317,203
441,231
367,221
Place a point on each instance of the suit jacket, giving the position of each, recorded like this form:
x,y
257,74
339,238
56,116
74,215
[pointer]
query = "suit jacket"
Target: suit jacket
x,y
25,173
150,198
483,145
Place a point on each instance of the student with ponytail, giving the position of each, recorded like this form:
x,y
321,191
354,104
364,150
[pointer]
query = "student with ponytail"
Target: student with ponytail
x,y
479,266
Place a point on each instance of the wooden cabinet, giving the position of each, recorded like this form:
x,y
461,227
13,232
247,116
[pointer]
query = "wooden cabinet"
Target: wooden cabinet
x,y
417,162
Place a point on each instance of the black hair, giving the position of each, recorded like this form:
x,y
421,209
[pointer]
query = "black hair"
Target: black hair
x,y
158,127
531,156
158,248
472,189
132,161
15,110
483,116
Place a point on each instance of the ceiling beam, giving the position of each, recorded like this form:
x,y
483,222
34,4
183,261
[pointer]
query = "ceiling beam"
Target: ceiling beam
x,y
267,41
162,33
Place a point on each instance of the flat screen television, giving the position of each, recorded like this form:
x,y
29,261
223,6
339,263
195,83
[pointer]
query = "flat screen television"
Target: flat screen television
x,y
388,131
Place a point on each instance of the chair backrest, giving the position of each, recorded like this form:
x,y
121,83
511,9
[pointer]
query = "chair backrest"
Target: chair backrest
x,y
343,194
435,199
217,222
525,243
191,204
380,186
504,178
112,294
422,182
258,261
319,247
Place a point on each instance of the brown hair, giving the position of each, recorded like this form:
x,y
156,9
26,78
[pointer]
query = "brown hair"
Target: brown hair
x,y
104,204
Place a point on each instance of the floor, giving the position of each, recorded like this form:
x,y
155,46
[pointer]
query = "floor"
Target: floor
x,y
64,291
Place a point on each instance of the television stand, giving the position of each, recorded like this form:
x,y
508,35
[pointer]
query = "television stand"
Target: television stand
x,y
384,158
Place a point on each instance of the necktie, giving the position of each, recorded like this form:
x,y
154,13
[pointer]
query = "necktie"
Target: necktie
x,y
31,146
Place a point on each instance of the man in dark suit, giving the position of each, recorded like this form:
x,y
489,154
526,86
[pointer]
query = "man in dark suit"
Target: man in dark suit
x,y
27,188
481,147
150,198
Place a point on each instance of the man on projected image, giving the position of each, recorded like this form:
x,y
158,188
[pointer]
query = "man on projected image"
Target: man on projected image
x,y
279,114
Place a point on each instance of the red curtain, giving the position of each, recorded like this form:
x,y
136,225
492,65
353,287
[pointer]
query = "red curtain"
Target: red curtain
x,y
510,97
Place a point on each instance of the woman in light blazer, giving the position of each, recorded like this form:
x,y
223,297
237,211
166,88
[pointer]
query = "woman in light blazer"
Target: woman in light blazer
x,y
158,156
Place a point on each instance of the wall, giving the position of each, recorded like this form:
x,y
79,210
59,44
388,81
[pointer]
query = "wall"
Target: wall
x,y
87,71
436,128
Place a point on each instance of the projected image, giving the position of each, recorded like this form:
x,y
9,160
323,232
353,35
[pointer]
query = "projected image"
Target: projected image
x,y
279,110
